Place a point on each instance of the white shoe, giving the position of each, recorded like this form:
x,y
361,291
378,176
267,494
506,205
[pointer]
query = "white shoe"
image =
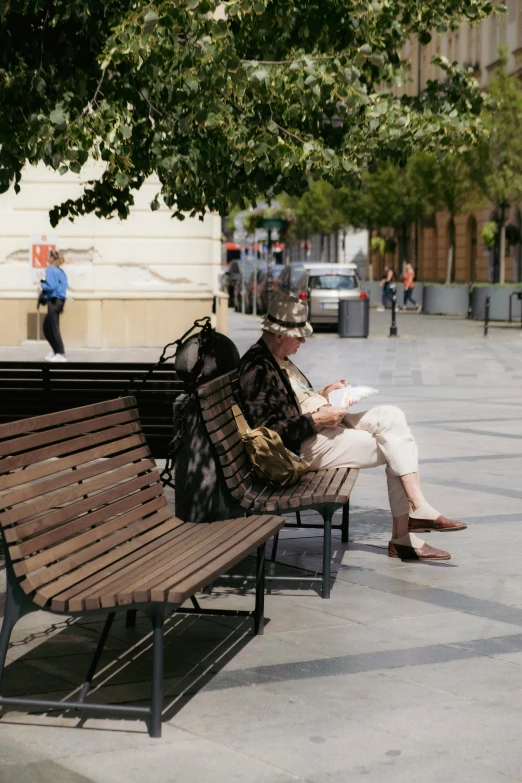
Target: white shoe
x,y
50,356
58,357
380,309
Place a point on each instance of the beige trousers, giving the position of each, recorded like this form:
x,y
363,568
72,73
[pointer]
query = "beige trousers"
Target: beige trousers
x,y
380,436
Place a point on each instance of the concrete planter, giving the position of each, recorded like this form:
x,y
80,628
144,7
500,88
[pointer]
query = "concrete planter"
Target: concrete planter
x,y
374,291
445,300
498,303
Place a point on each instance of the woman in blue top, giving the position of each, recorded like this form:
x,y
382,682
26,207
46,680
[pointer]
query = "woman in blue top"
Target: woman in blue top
x,y
54,288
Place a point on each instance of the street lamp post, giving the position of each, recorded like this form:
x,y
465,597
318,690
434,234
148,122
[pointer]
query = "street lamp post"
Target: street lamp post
x,y
393,327
269,224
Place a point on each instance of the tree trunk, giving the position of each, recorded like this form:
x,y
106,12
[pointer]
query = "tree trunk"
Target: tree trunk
x,y
449,268
502,259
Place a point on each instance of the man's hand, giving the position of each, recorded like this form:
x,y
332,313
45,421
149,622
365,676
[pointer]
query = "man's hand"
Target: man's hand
x,y
336,385
328,416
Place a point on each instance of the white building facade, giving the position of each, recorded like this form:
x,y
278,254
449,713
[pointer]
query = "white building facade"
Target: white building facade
x,y
138,282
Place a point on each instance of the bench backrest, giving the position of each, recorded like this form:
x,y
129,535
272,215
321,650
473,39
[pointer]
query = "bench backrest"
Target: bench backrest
x,y
216,400
34,388
78,489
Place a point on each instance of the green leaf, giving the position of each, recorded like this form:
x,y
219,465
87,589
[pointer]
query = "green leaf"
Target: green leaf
x,y
126,131
261,75
57,117
122,179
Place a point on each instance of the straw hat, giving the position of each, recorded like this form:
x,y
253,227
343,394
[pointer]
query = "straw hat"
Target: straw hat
x,y
287,315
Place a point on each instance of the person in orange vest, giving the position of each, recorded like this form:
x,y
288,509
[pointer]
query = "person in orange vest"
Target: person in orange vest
x,y
409,286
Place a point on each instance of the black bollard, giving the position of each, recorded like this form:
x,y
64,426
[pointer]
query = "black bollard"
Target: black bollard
x,y
393,327
486,317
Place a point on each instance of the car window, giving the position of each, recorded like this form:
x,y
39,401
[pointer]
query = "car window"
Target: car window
x,y
332,282
284,280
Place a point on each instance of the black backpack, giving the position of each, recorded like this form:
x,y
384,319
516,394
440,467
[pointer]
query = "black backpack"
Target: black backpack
x,y
199,486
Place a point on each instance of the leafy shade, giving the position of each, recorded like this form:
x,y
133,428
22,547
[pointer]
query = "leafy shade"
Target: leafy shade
x,y
223,101
497,166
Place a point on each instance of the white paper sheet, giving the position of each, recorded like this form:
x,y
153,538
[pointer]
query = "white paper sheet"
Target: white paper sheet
x,y
350,395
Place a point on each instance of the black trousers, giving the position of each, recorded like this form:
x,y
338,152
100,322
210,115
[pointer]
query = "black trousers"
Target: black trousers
x,y
51,324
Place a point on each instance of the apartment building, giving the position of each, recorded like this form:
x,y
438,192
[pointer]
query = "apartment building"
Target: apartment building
x,y
478,47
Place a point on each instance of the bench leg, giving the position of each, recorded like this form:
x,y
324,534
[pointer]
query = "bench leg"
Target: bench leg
x,y
345,529
130,618
156,702
273,554
259,611
327,550
97,655
16,606
298,518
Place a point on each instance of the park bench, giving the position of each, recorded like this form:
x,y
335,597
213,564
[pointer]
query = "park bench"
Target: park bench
x,y
35,388
87,529
324,491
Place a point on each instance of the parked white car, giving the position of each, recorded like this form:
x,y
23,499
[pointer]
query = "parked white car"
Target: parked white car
x,y
322,286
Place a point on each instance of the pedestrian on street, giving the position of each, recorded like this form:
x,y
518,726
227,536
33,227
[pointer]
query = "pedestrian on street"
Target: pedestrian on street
x,y
409,286
274,393
388,276
54,289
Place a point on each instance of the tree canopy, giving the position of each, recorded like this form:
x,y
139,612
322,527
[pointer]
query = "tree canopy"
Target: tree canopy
x,y
497,160
224,100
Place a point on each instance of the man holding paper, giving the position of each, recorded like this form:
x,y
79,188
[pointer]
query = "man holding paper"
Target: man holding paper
x,y
277,395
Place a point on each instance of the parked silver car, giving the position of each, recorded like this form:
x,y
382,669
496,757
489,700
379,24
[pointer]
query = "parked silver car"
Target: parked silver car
x,y
322,286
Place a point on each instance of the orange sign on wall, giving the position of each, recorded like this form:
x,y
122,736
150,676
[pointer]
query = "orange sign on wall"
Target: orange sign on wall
x,y
41,245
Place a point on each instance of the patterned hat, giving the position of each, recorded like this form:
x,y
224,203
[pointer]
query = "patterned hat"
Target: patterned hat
x,y
287,315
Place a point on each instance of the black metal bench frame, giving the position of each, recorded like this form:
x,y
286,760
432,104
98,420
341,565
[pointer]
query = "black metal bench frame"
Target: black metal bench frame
x,y
18,604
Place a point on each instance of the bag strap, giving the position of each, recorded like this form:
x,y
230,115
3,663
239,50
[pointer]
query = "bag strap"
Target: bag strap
x,y
242,425
201,323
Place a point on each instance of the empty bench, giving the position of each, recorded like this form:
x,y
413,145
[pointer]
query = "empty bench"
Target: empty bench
x,y
87,528
30,389
324,491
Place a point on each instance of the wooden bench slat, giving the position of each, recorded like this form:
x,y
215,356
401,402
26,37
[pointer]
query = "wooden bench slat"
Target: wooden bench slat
x,y
74,570
57,434
15,428
201,545
85,521
36,496
195,544
131,490
143,552
221,421
322,488
204,575
214,386
347,486
85,595
336,484
68,447
83,540
51,467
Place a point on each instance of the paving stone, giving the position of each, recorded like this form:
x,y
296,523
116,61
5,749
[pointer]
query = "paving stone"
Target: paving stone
x,y
409,672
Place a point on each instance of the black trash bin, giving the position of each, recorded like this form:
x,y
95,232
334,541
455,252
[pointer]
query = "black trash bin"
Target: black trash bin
x,y
354,317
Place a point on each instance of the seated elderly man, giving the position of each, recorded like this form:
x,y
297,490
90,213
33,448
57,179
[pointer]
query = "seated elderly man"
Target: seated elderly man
x,y
277,395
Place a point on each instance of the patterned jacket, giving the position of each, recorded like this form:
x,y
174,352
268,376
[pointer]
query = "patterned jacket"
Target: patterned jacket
x,y
268,400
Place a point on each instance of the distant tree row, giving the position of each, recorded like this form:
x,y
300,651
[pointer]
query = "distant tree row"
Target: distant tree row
x,y
392,199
